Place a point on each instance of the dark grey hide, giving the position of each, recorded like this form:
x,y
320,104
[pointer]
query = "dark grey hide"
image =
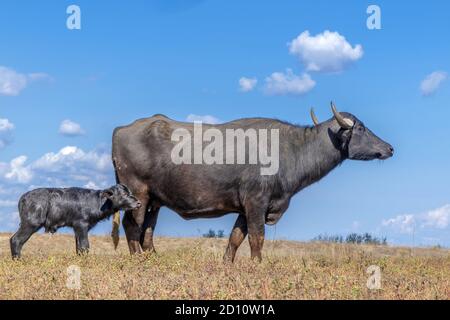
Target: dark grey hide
x,y
80,209
141,156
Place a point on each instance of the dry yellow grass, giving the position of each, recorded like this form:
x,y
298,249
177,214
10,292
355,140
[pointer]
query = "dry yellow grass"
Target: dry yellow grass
x,y
192,268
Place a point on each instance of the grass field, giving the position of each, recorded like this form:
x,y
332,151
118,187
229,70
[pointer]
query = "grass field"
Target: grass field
x,y
192,268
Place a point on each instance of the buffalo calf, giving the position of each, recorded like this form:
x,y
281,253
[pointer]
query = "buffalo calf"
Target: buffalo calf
x,y
80,209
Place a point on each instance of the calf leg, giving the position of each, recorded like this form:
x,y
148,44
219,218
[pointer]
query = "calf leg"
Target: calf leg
x,y
82,240
255,225
20,237
148,228
238,235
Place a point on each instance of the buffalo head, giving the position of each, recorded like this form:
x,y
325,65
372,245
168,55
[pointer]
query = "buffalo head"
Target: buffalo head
x,y
355,139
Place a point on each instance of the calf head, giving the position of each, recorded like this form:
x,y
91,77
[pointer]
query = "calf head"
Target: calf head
x,y
119,197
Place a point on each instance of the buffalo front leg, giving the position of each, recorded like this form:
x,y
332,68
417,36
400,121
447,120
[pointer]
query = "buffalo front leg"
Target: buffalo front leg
x,y
255,225
132,232
148,229
133,222
238,235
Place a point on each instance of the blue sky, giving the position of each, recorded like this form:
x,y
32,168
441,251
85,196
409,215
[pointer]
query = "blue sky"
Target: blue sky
x,y
186,58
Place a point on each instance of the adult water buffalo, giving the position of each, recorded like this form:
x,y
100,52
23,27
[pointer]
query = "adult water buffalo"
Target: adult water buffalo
x,y
143,156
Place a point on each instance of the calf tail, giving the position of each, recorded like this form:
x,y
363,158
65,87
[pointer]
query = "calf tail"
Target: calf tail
x,y
116,220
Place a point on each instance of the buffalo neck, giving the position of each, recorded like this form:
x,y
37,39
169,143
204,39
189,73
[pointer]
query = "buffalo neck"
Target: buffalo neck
x,y
316,153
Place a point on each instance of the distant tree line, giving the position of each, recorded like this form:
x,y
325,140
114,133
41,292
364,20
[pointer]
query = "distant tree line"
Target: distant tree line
x,y
355,238
213,234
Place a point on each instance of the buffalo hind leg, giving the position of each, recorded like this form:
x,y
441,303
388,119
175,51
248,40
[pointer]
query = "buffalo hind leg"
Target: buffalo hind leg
x,y
149,228
255,225
237,235
20,237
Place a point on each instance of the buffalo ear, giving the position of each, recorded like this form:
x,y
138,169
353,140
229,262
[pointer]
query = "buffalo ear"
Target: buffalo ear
x,y
345,139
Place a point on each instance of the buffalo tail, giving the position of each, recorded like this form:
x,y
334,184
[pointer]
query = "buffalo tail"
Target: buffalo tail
x,y
115,229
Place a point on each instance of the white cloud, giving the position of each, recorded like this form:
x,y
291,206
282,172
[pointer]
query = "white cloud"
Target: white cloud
x,y
247,84
18,171
6,128
432,82
279,83
5,125
12,82
421,224
70,165
324,52
70,128
72,156
91,185
403,223
437,218
205,119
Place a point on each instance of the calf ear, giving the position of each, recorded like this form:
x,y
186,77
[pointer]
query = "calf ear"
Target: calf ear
x,y
108,193
126,188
